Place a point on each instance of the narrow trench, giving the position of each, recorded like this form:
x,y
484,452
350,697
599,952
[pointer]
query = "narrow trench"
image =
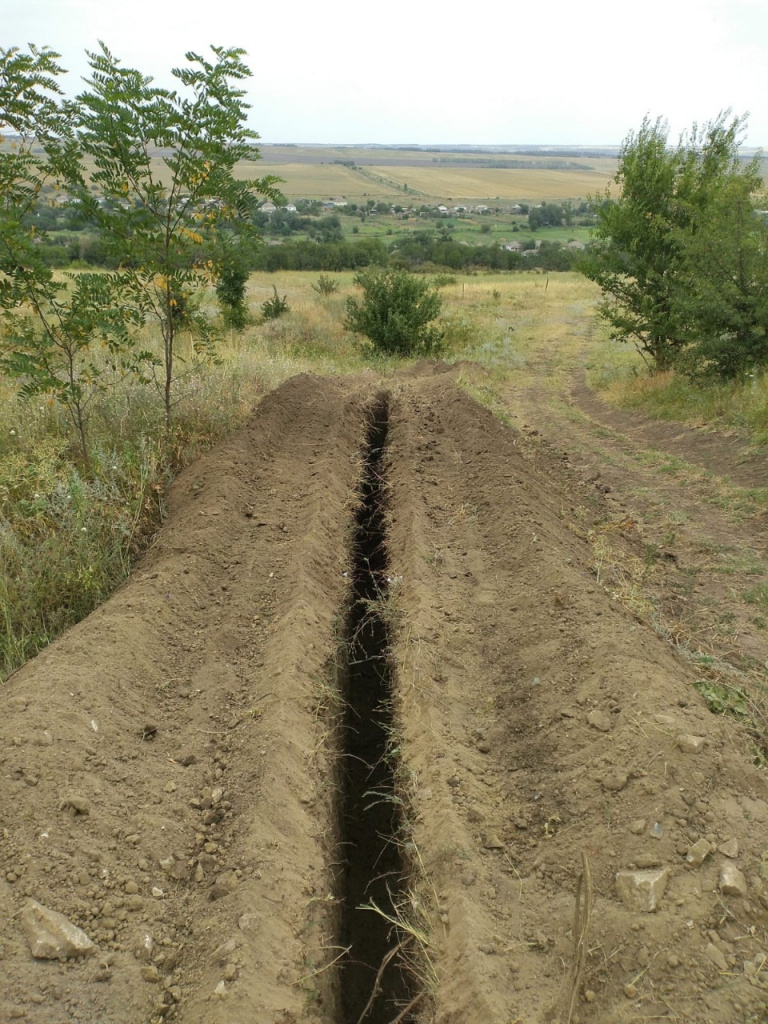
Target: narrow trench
x,y
373,867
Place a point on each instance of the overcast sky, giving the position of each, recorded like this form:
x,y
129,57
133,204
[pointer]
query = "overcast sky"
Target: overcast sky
x,y
413,71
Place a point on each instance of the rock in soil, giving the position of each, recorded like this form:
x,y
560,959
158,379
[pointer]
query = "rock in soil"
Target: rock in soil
x,y
732,881
642,890
51,936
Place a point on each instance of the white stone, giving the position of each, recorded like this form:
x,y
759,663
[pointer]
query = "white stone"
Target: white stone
x,y
690,744
52,936
698,852
642,890
717,957
732,881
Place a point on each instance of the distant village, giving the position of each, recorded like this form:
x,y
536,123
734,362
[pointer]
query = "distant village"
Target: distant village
x,y
372,209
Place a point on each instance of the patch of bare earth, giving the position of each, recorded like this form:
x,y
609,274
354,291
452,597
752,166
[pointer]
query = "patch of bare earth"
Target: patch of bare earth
x,y
368,662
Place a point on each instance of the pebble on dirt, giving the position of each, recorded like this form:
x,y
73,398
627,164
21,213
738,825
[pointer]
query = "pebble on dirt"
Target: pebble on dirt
x,y
75,804
615,781
642,890
717,957
599,720
732,881
225,883
690,744
51,936
698,852
730,849
492,842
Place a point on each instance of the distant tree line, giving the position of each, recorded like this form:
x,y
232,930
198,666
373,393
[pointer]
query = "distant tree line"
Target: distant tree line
x,y
420,251
65,237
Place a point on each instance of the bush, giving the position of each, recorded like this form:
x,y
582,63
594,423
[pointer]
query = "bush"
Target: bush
x,y
272,308
396,312
326,285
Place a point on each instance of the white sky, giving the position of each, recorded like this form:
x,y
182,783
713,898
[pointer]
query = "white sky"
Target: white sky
x,y
560,72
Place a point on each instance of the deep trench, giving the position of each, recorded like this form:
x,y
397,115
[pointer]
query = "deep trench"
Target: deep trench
x,y
371,815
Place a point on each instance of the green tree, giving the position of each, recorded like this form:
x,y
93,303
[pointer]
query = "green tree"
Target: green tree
x,y
326,285
70,339
637,253
234,258
77,343
164,223
723,294
547,215
396,313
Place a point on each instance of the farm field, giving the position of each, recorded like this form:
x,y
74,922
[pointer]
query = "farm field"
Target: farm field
x,y
427,182
493,183
319,181
406,714
416,156
436,175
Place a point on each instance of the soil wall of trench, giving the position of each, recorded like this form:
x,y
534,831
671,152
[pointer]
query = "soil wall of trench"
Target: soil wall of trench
x,y
368,664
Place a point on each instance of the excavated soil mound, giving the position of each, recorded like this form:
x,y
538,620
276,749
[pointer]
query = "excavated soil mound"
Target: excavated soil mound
x,y
368,663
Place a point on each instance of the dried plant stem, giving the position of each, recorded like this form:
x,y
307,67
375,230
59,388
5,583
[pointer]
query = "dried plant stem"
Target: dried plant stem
x,y
416,999
377,983
581,921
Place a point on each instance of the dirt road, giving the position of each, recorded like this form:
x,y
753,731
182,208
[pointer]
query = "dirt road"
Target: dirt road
x,y
371,661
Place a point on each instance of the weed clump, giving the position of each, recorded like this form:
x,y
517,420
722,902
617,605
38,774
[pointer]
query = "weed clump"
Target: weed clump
x,y
275,307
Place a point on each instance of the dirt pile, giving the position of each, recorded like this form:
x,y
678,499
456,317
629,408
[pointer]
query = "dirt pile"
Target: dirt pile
x,y
195,775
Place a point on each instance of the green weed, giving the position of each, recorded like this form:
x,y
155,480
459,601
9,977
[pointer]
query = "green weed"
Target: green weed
x,y
723,699
758,595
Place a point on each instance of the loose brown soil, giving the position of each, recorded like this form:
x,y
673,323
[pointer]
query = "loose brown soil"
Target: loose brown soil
x,y
179,771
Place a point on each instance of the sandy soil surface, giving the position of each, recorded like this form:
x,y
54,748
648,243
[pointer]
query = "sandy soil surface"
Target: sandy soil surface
x,y
372,659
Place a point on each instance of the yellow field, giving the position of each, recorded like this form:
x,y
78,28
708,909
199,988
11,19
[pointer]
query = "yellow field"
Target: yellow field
x,y
427,182
434,182
517,184
321,181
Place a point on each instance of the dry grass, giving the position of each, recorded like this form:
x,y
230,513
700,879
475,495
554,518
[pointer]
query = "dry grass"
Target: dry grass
x,y
742,404
67,533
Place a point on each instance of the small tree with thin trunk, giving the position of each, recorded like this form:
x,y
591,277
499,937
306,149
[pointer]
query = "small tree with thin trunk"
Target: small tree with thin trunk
x,y
66,340
166,192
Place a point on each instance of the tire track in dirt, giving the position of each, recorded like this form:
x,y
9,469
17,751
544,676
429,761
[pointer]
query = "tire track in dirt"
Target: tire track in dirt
x,y
173,766
728,455
703,540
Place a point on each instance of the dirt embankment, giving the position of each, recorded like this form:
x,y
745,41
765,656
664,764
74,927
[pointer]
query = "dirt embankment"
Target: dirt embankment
x,y
374,596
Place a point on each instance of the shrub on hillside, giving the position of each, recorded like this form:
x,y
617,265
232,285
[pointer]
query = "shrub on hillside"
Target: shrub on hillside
x,y
326,285
396,313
